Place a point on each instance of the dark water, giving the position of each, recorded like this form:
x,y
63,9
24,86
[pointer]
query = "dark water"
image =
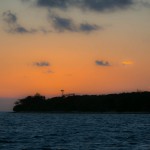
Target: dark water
x,y
39,131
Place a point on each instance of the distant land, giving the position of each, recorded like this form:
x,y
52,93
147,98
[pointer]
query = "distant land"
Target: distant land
x,y
133,102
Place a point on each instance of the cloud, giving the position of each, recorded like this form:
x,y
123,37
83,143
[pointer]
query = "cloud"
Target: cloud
x,y
42,64
21,29
61,24
12,24
11,21
127,62
102,5
102,63
94,5
9,17
53,3
85,27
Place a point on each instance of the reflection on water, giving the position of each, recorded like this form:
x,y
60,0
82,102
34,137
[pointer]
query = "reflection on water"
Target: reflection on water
x,y
25,131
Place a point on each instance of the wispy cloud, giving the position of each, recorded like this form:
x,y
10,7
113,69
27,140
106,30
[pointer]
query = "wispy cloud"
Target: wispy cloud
x,y
9,17
41,64
13,25
102,63
66,24
59,24
86,27
63,24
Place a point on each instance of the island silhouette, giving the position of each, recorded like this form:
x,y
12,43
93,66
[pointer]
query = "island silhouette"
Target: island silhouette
x,y
112,103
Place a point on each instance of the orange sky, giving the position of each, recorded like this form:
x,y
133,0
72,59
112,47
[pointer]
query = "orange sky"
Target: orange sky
x,y
89,51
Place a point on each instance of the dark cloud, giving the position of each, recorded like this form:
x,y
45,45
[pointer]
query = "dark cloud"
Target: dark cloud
x,y
102,63
20,29
13,26
53,3
102,5
42,64
63,24
95,5
9,17
66,24
85,27
60,24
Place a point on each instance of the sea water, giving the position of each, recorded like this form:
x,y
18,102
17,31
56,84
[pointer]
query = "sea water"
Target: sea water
x,y
74,131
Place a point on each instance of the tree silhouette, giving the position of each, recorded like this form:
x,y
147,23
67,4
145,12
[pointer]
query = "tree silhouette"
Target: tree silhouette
x,y
123,102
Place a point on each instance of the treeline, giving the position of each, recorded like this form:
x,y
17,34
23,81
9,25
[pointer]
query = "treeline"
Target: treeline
x,y
123,102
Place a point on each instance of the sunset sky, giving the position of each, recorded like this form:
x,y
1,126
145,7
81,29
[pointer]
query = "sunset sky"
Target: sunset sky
x,y
81,46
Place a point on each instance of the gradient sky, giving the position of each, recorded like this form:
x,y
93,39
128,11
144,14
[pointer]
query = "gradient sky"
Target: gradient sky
x,y
81,46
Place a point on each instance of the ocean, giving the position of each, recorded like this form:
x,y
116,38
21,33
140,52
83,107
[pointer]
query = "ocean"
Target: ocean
x,y
74,131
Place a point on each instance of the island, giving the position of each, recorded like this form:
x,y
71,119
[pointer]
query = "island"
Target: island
x,y
133,102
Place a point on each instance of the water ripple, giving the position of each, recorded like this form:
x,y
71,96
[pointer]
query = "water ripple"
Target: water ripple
x,y
39,131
